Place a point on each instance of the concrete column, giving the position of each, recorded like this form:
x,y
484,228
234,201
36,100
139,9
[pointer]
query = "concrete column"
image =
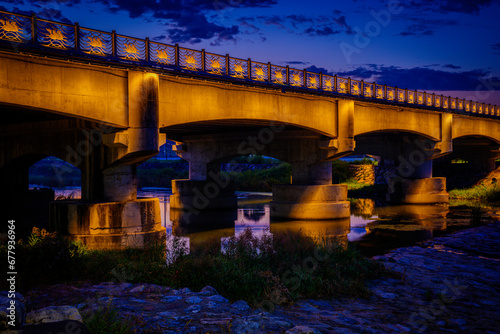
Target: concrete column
x,y
143,111
415,184
120,183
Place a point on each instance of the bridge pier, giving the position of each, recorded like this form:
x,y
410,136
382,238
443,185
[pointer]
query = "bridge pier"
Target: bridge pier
x,y
311,194
110,215
415,183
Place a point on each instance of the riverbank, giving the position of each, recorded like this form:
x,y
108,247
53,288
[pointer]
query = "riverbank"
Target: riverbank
x,y
446,285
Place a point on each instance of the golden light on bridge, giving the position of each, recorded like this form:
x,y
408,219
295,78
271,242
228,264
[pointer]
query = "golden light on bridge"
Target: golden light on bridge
x,y
10,29
56,37
190,62
259,72
162,57
216,66
96,45
131,51
239,70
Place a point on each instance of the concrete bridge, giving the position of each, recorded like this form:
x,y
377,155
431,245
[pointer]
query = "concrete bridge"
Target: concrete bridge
x,y
105,103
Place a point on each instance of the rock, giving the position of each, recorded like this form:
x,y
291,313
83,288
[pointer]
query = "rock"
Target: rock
x,y
385,295
139,288
216,321
302,330
193,309
194,300
218,299
53,314
11,310
186,291
241,306
171,299
208,291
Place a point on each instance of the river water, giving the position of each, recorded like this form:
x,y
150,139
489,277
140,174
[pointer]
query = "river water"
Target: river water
x,y
373,226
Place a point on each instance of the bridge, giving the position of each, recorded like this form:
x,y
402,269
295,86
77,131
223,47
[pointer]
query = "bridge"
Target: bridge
x,y
105,102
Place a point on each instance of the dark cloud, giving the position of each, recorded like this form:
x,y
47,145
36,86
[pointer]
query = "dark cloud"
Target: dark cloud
x,y
453,67
186,21
496,47
323,31
423,78
296,62
425,27
315,69
321,25
447,6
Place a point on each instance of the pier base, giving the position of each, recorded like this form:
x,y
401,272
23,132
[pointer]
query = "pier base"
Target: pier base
x,y
111,225
310,202
418,191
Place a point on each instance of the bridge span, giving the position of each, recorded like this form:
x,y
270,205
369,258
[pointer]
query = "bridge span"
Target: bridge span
x,y
105,103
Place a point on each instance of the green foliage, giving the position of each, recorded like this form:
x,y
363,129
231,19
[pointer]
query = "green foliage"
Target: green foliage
x,y
261,179
364,161
341,171
484,193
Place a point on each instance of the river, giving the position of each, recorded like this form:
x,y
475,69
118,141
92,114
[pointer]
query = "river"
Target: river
x,y
373,226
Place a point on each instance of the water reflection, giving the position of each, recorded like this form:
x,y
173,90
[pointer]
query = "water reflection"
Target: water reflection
x,y
372,227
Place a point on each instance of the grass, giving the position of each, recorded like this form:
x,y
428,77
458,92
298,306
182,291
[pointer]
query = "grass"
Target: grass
x,y
480,192
268,271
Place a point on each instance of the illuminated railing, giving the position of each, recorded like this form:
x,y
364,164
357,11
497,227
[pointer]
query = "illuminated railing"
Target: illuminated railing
x,y
78,41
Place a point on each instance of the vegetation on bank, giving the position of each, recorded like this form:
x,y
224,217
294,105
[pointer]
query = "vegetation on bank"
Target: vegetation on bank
x,y
270,271
480,192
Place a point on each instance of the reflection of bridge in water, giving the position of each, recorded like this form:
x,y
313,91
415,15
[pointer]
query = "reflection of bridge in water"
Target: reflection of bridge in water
x,y
105,102
377,227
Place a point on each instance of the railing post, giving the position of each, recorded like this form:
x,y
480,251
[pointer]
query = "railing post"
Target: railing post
x,y
374,90
146,46
406,96
177,56
113,43
463,104
385,92
203,60
77,37
227,64
335,84
269,72
34,29
396,94
249,68
320,85
362,86
348,86
287,75
304,81
433,101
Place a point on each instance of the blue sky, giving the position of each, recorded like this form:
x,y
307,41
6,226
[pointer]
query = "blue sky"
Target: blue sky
x,y
450,46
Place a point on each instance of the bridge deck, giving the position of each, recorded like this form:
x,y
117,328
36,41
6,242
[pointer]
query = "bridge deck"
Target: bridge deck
x,y
31,34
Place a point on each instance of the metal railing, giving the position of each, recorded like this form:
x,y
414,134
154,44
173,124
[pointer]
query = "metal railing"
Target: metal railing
x,y
77,41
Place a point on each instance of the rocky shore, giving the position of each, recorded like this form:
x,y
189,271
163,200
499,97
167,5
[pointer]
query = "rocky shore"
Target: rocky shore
x,y
446,285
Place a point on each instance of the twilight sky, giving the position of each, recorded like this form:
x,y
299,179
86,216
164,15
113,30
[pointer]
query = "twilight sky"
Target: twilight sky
x,y
444,46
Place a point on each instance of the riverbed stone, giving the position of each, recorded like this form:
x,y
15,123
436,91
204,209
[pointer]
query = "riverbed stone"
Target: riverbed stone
x,y
194,300
53,314
241,306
